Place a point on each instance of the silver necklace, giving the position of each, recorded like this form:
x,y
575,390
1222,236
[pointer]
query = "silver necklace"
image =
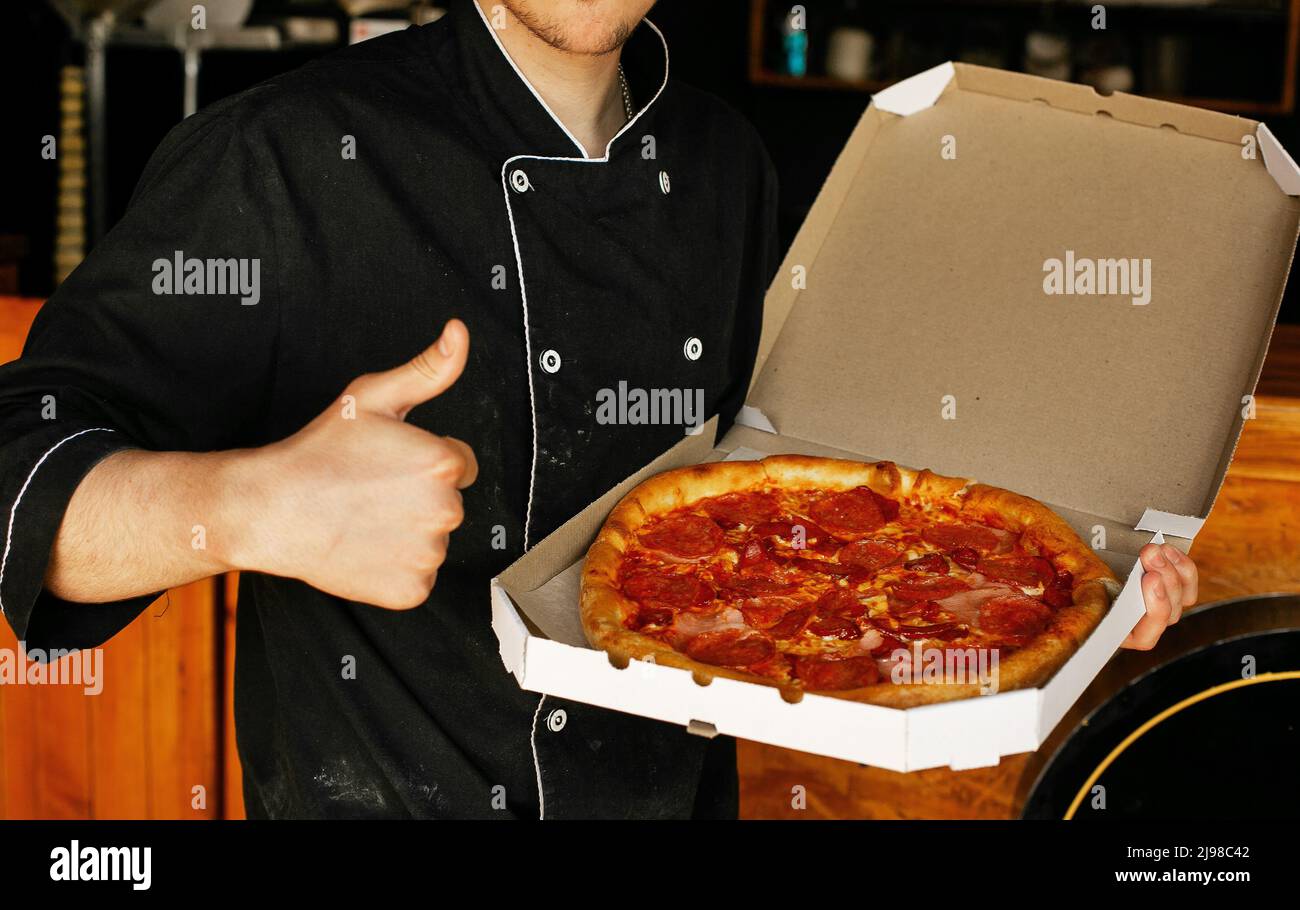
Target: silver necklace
x,y
627,93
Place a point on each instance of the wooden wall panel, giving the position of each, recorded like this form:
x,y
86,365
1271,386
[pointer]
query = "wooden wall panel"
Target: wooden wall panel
x,y
120,769
233,792
19,749
61,737
137,748
182,686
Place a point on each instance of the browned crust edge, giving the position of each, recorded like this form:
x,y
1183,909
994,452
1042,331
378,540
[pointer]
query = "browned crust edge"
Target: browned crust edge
x,y
604,608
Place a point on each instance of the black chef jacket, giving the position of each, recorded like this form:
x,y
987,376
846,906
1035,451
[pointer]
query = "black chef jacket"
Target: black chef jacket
x,y
463,196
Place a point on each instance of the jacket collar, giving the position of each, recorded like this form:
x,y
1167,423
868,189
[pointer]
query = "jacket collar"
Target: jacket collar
x,y
513,110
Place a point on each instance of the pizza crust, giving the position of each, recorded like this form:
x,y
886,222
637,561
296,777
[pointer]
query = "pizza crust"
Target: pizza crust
x,y
605,609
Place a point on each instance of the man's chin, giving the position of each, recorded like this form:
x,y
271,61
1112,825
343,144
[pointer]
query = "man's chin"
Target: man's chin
x,y
597,39
586,27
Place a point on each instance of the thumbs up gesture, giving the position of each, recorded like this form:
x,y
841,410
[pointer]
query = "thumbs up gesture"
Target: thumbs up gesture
x,y
360,504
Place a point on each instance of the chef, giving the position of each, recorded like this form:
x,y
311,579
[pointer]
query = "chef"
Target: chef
x,y
354,338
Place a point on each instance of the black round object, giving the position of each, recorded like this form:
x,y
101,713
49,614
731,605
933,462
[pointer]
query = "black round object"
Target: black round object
x,y
1213,733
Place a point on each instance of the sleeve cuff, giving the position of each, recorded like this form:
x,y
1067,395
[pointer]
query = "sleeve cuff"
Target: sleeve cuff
x,y
31,513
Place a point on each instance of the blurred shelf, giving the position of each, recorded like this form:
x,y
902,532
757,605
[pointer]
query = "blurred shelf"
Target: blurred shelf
x,y
919,18
244,38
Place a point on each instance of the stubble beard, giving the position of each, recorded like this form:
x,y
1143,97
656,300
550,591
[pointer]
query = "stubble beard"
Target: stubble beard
x,y
555,35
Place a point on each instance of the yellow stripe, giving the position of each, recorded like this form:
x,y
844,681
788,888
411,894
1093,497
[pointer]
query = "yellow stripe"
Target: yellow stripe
x,y
1169,712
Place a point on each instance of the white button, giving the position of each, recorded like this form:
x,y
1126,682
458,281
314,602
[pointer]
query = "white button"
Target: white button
x,y
693,348
664,184
550,360
519,181
556,720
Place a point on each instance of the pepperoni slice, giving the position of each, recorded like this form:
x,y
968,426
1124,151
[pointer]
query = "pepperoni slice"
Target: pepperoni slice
x,y
763,600
935,588
1058,597
1060,593
838,627
840,602
941,630
813,537
766,612
773,529
1029,571
684,536
755,586
853,512
871,555
932,563
730,647
1014,618
888,507
661,589
792,623
819,673
736,509
966,557
927,609
951,537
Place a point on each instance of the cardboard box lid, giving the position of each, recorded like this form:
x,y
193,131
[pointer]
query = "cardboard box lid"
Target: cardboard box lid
x,y
922,294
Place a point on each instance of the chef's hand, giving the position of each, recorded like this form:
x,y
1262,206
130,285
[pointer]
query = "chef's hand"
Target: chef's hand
x,y
360,504
1168,587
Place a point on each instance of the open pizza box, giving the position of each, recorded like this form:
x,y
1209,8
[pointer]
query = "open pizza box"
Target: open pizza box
x,y
911,321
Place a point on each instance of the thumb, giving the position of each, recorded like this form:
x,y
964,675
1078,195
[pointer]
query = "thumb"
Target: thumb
x,y
425,376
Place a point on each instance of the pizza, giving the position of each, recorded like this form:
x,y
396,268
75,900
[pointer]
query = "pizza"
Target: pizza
x,y
864,581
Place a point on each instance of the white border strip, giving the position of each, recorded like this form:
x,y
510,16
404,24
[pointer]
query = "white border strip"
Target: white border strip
x,y
1278,161
514,234
915,93
13,512
1186,526
524,79
528,342
546,107
523,296
537,763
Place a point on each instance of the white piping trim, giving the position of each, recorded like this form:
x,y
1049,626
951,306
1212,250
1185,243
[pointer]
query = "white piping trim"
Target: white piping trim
x,y
546,107
528,346
523,297
524,79
662,85
13,512
514,234
537,764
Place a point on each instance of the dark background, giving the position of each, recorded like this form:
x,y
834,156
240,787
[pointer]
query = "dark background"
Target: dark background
x,y
1235,55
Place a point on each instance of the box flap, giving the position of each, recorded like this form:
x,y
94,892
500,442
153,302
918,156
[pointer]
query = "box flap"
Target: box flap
x,y
913,315
1279,162
1168,523
915,93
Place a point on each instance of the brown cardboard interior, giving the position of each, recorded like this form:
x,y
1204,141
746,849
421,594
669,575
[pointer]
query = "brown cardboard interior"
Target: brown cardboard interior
x,y
925,279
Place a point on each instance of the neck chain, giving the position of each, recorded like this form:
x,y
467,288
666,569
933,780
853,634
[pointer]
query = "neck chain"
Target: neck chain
x,y
627,93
